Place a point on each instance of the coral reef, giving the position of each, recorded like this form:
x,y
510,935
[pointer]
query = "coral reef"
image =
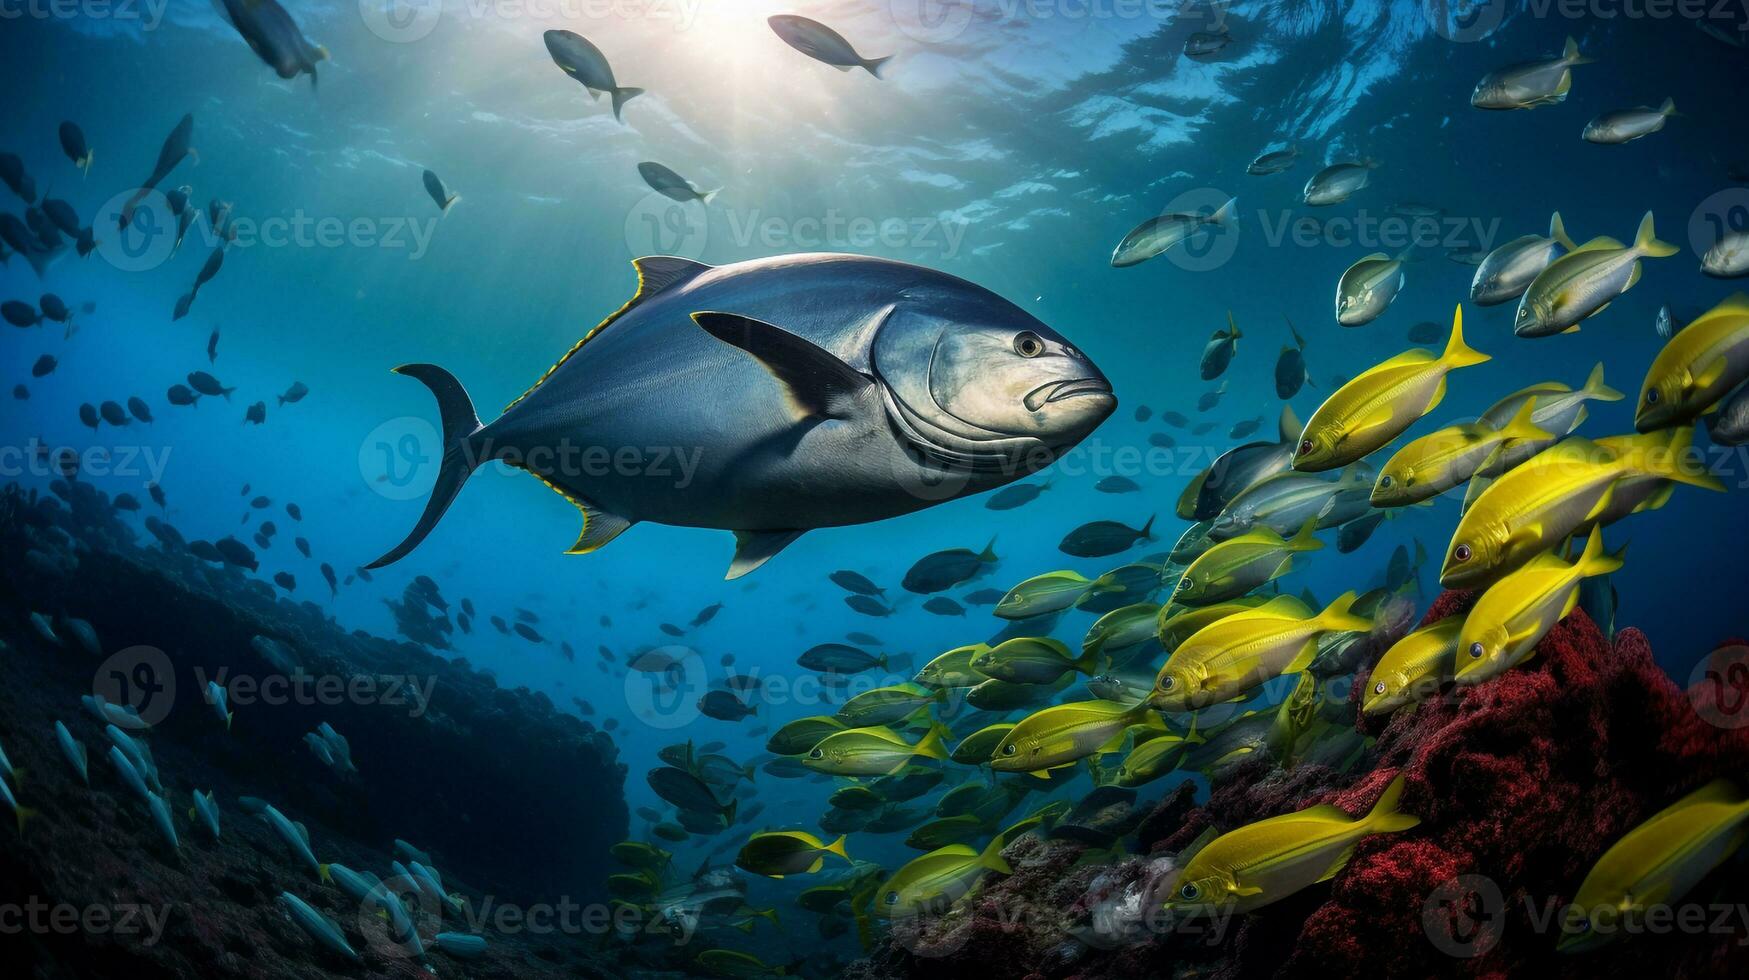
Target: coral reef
x,y
1521,783
438,774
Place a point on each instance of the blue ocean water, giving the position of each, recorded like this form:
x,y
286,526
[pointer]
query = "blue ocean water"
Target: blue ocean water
x,y
1013,150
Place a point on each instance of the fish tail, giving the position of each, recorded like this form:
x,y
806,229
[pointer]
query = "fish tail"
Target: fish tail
x,y
992,858
1232,327
623,95
447,204
931,746
989,553
1558,232
1668,108
460,425
1672,463
1147,532
1570,54
709,196
1592,561
1338,617
1599,391
323,872
1457,353
837,847
1303,539
1385,818
874,65
1226,214
1646,241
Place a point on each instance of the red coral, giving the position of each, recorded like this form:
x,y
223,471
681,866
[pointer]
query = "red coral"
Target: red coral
x,y
1520,784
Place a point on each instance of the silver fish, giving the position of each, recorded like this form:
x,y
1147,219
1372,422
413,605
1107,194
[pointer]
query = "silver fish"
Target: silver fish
x,y
1627,125
1157,234
1338,182
859,388
1728,258
1275,161
1510,269
1531,83
1367,288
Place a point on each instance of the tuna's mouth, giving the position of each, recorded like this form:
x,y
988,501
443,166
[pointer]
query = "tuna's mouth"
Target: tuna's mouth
x,y
1059,390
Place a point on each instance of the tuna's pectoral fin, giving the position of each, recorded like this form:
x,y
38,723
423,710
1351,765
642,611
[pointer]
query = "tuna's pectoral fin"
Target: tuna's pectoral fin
x,y
755,548
817,384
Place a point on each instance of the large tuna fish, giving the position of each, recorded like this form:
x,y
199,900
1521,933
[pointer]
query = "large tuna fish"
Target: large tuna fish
x,y
812,390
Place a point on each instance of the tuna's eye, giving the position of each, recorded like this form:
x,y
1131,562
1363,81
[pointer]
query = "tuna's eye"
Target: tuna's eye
x,y
1476,650
1184,584
1652,396
1167,682
1386,481
1028,344
892,898
1190,891
816,754
1462,553
1007,750
1305,446
1379,688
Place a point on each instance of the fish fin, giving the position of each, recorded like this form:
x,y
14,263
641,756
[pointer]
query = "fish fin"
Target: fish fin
x,y
1385,818
1290,426
1599,391
1600,243
1186,506
1521,427
874,65
755,548
817,384
460,458
1657,499
1646,242
1232,327
623,95
1671,462
655,274
1457,353
1303,540
1225,215
1562,87
1337,865
1592,561
931,746
991,856
1040,773
1338,615
1558,232
837,847
1570,54
323,872
599,526
1633,279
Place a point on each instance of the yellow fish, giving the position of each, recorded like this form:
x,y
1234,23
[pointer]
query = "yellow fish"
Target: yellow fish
x,y
1158,756
1439,461
1044,594
786,852
1264,862
1697,367
871,751
1368,412
1562,491
1224,660
1238,565
1508,621
1657,863
1064,734
1414,667
943,876
1177,624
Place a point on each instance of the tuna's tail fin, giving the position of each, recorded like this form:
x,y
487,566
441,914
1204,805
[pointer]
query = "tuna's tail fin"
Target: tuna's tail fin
x,y
460,425
623,95
1457,353
1595,387
1646,241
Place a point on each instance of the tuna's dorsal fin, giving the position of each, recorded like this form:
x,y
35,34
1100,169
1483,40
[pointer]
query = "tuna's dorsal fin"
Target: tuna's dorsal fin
x,y
755,548
817,384
656,273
